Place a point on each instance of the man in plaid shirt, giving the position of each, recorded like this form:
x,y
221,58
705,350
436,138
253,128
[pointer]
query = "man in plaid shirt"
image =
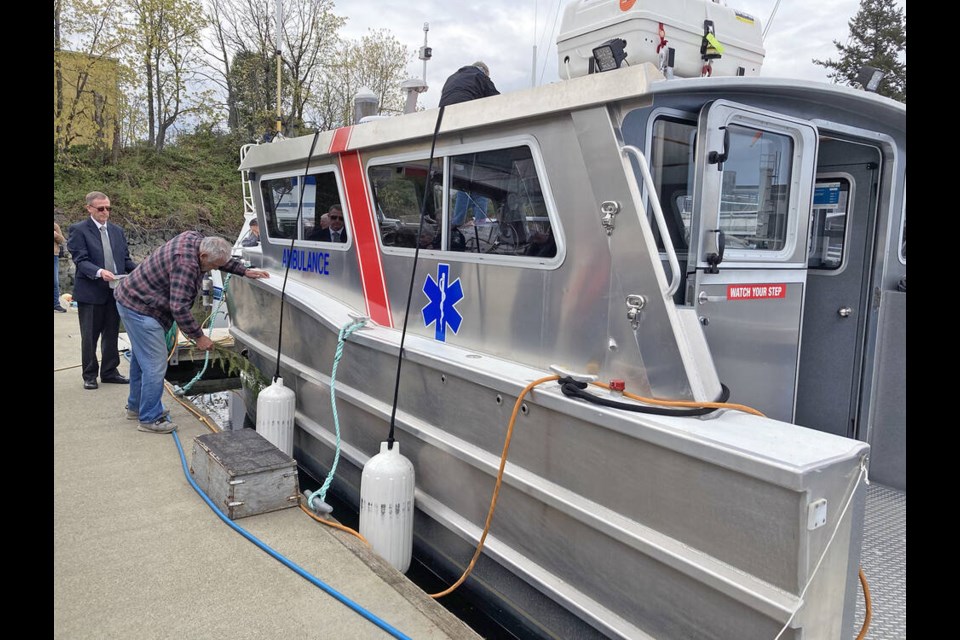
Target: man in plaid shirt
x,y
158,293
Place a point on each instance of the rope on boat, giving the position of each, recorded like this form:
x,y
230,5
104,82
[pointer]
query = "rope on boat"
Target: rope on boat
x,y
206,358
345,332
826,547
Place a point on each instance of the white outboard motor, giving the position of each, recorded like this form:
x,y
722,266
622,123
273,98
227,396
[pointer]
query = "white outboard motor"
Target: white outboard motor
x,y
386,505
276,406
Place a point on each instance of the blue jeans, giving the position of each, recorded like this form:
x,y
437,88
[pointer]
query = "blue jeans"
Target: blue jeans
x,y
463,203
56,281
148,363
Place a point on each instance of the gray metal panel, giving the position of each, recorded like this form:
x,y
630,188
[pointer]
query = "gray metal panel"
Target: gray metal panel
x,y
689,520
755,342
888,422
832,344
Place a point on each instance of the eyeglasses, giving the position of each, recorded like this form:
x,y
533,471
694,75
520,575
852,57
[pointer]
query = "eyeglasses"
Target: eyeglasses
x,y
101,209
336,217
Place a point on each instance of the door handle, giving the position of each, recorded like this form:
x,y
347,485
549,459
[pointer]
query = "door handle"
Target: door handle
x,y
844,312
703,298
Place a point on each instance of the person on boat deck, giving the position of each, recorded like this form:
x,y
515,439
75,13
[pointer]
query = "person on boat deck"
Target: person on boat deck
x,y
468,83
99,250
334,232
158,293
252,238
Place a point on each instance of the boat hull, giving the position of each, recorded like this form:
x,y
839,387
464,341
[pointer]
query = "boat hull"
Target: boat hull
x,y
608,523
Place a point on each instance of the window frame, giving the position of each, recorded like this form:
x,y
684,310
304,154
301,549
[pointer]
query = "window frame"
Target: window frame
x,y
443,154
300,239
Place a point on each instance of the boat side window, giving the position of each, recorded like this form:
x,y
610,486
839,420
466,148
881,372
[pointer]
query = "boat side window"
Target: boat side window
x,y
398,191
496,206
755,189
671,166
828,221
317,220
280,202
284,215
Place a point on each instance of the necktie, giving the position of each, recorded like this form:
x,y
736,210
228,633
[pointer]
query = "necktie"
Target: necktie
x,y
108,262
336,236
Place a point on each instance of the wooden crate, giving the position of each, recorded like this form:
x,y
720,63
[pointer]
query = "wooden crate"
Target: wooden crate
x,y
243,473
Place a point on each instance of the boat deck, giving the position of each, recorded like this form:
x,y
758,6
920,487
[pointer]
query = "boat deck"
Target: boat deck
x,y
884,562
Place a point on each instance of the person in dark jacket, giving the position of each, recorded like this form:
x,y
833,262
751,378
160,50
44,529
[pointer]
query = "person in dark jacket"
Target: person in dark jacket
x,y
468,83
99,249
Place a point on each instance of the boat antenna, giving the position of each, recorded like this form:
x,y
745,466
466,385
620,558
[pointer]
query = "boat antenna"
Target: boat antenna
x,y
286,273
279,56
427,190
425,52
770,20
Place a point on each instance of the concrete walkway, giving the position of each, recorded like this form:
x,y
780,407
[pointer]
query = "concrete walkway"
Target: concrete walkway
x,y
139,554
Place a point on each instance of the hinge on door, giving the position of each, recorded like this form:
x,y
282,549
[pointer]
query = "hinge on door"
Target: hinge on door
x,y
876,298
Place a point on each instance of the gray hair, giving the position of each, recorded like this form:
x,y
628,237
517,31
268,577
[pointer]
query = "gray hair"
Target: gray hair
x,y
95,195
483,67
217,249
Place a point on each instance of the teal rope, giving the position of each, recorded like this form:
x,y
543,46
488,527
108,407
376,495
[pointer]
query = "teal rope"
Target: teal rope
x,y
344,334
206,358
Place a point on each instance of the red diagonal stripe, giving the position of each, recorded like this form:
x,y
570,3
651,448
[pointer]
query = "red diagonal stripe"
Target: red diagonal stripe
x,y
365,234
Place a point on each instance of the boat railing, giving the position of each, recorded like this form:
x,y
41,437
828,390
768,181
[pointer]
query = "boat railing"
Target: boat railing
x,y
248,208
629,149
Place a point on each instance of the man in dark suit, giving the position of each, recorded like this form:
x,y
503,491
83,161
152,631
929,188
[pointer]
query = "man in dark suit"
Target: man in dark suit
x,y
99,250
335,231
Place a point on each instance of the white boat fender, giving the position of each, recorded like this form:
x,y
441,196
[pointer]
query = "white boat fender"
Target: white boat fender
x,y
276,406
386,505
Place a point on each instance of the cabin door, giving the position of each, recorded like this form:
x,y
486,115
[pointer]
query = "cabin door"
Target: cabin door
x,y
836,311
748,257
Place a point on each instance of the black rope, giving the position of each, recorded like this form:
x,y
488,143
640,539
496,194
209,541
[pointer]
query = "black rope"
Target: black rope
x,y
413,274
286,273
575,389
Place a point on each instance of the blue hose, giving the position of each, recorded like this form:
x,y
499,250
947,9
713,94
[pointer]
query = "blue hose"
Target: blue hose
x,y
363,612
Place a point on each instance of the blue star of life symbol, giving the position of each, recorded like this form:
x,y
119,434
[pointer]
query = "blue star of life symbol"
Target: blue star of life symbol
x,y
443,295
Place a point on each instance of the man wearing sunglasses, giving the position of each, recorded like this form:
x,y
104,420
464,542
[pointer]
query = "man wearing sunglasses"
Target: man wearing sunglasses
x,y
99,249
334,232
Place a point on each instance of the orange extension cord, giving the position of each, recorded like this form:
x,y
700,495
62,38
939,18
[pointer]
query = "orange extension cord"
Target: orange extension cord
x,y
503,461
668,403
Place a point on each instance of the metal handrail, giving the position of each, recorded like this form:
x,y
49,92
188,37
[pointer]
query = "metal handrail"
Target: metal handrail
x,y
657,215
248,208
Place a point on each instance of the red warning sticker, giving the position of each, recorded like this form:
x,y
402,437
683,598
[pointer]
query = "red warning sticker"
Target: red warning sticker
x,y
756,291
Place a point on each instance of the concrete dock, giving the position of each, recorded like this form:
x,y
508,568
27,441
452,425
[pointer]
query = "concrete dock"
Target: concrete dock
x,y
139,554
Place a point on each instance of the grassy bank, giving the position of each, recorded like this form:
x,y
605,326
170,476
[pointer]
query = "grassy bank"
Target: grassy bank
x,y
193,184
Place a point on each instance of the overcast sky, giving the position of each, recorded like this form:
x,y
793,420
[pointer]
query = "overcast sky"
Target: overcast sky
x,y
502,33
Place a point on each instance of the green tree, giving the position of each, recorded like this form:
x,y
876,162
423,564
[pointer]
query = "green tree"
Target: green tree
x,y
166,39
878,37
253,78
309,37
378,62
